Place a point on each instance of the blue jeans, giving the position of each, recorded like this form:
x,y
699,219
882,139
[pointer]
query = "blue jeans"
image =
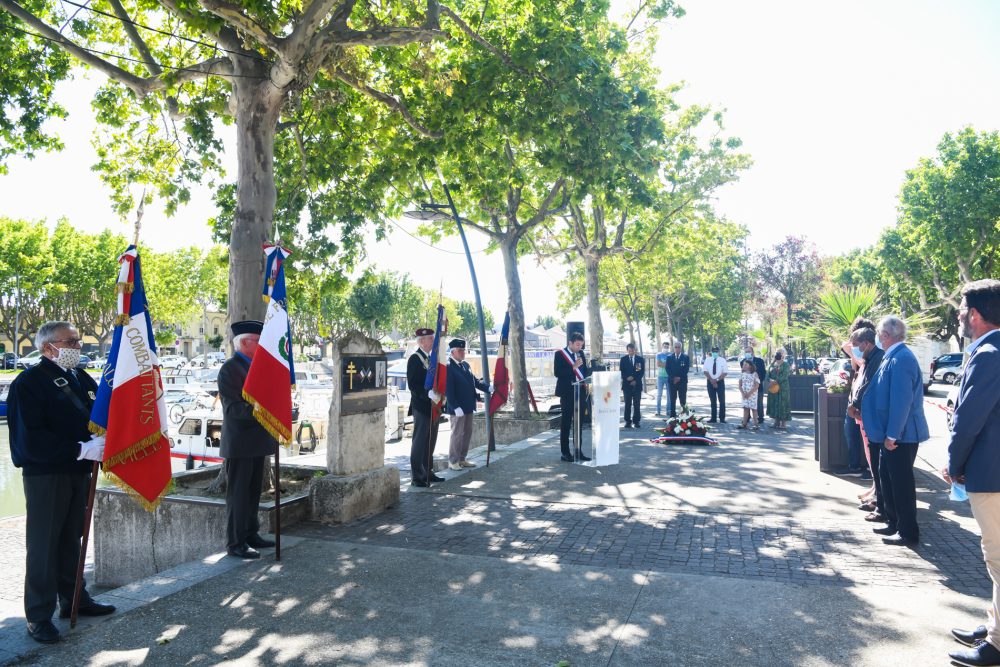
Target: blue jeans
x,y
661,384
852,433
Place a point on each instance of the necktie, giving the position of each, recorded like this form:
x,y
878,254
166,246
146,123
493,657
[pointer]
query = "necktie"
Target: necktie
x,y
715,365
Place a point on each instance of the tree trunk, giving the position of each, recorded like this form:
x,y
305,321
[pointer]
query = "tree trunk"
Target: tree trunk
x,y
656,324
258,105
788,310
596,325
518,367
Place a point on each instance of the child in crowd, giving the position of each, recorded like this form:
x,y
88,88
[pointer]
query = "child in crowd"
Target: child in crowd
x,y
749,381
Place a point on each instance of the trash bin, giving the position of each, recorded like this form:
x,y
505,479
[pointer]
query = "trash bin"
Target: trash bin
x,y
832,441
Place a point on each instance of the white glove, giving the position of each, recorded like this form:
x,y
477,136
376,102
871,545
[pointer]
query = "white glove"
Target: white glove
x,y
459,412
434,395
493,388
92,450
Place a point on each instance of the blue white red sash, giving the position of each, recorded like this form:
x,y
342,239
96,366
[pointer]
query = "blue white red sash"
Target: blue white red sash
x,y
571,361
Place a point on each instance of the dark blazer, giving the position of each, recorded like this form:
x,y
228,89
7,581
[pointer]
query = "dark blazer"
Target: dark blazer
x,y
45,427
893,404
242,435
872,362
461,388
629,371
761,368
678,366
974,450
565,377
416,375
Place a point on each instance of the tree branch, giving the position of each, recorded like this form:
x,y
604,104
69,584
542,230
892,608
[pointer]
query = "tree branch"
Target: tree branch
x,y
235,16
226,39
544,211
659,227
307,27
390,102
479,39
221,67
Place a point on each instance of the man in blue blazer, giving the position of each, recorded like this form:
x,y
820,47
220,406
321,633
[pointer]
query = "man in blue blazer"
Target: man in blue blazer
x,y
678,365
460,392
892,411
974,451
632,369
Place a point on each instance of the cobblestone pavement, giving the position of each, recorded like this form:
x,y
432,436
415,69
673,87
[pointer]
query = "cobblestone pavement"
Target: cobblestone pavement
x,y
767,547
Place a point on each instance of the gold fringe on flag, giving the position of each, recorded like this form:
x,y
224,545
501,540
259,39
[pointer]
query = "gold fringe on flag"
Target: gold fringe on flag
x,y
131,451
96,429
122,320
148,505
125,288
270,423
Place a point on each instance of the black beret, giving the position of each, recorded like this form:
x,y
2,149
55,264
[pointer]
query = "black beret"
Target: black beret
x,y
456,342
247,327
424,332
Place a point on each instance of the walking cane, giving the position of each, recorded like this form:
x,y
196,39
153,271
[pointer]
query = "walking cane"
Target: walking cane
x,y
88,513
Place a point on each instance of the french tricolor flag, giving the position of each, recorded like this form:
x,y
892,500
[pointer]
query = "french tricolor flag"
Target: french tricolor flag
x,y
437,372
129,409
271,377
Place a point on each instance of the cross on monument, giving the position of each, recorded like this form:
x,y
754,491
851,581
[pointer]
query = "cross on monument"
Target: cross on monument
x,y
351,370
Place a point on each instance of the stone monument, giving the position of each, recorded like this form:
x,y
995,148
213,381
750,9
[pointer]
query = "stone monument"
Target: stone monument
x,y
359,482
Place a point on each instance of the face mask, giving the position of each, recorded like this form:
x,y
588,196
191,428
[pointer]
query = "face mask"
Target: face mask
x,y
68,358
715,354
856,351
748,356
878,343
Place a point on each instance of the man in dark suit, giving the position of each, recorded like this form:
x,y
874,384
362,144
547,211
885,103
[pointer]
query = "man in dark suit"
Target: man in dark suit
x,y
974,452
245,445
892,412
863,339
424,432
460,392
632,370
569,366
761,368
48,411
678,365
715,369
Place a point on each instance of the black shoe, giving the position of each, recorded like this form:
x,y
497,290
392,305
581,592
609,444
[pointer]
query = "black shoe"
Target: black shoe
x,y
900,541
711,421
90,609
628,425
969,637
419,483
44,632
722,421
568,459
258,542
582,457
983,654
436,478
637,425
244,552
888,530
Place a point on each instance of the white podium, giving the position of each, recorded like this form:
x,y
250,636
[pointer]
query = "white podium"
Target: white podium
x,y
606,393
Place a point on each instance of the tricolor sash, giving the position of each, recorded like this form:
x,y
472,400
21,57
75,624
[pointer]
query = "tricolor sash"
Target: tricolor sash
x,y
576,371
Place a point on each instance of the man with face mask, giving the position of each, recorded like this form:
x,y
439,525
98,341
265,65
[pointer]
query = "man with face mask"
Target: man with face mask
x,y
761,367
48,411
974,452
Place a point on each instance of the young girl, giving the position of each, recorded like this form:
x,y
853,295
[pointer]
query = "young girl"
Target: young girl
x,y
749,381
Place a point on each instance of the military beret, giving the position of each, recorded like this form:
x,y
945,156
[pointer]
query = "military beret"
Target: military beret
x,y
424,332
247,327
456,342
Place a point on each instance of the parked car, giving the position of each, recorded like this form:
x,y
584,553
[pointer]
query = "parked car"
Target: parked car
x,y
946,367
824,363
210,360
30,359
172,361
950,403
807,365
7,361
98,362
84,363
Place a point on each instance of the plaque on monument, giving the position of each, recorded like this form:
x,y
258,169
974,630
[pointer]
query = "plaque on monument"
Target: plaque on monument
x,y
362,383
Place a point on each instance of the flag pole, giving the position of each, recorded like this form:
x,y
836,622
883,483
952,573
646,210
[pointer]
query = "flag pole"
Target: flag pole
x,y
479,312
277,503
95,470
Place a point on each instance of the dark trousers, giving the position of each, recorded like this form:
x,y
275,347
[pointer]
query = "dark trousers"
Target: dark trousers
x,y
632,395
675,391
56,506
899,497
760,403
422,447
566,422
852,433
717,395
245,476
875,451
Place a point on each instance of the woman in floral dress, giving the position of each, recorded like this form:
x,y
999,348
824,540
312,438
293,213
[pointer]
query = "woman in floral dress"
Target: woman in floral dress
x,y
779,406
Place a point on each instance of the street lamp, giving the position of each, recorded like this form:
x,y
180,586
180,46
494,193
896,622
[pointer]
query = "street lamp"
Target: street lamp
x,y
439,212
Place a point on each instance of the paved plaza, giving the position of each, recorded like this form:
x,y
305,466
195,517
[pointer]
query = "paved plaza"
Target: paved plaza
x,y
739,554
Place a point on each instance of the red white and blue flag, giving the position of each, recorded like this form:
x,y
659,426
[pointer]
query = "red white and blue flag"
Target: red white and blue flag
x,y
437,370
271,377
129,409
501,380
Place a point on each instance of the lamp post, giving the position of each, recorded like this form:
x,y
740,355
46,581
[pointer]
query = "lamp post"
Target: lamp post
x,y
439,212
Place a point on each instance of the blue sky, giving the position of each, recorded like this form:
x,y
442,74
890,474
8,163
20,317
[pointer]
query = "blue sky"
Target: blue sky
x,y
834,101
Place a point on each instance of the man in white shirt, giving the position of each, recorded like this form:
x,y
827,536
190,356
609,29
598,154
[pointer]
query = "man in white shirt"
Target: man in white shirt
x,y
715,369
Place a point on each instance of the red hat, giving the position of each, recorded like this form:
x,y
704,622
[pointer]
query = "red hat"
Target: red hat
x,y
424,332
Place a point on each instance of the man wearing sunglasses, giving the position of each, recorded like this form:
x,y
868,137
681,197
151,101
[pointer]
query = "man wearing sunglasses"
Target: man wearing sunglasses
x,y
48,411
